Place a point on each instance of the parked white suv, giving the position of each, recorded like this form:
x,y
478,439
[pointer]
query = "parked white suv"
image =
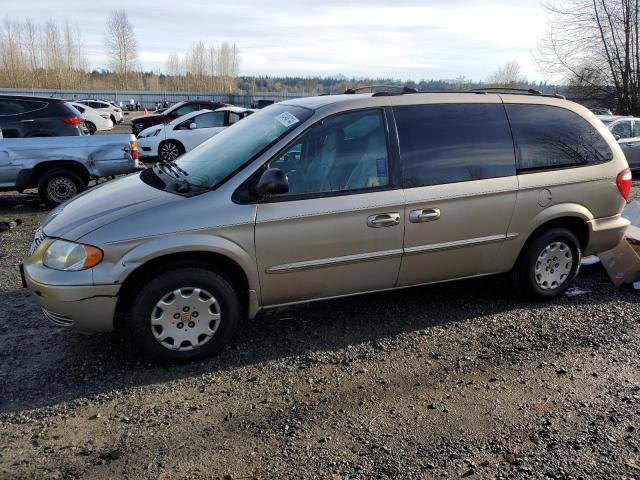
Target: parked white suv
x,y
115,113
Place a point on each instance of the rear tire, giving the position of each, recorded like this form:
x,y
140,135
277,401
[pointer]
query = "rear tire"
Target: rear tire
x,y
183,315
548,265
59,185
113,119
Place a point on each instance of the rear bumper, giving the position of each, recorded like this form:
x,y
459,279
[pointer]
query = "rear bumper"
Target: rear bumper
x,y
89,308
605,233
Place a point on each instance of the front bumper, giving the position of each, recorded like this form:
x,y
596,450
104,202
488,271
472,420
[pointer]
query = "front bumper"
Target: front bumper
x,y
605,233
89,308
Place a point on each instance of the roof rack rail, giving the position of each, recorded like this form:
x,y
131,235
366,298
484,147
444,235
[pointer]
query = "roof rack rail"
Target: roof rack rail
x,y
392,90
518,91
398,89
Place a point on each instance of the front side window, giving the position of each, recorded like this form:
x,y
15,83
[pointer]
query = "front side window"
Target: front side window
x,y
449,143
341,153
548,137
213,161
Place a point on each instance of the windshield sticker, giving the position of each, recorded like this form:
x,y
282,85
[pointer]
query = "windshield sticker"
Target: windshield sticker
x,y
287,119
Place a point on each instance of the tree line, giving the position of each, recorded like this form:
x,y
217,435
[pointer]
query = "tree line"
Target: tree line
x,y
52,55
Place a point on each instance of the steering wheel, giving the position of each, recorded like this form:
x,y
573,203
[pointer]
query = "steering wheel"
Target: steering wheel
x,y
294,168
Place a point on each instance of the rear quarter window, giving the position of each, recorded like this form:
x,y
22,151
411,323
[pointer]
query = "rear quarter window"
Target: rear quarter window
x,y
18,107
549,137
449,143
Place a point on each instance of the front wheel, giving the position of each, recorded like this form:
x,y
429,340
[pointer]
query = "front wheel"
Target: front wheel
x,y
184,315
59,185
91,127
548,265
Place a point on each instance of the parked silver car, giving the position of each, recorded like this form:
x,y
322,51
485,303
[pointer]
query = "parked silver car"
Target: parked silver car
x,y
330,196
61,167
626,131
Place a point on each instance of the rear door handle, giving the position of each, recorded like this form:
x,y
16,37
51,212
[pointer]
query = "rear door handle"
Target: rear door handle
x,y
27,121
383,220
426,215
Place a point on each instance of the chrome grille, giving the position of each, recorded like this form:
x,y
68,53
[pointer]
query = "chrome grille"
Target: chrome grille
x,y
37,240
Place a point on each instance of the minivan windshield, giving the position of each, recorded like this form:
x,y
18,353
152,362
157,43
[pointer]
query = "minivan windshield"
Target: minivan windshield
x,y
213,161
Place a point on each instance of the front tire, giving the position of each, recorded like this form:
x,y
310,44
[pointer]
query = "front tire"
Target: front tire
x,y
184,315
91,127
59,185
548,265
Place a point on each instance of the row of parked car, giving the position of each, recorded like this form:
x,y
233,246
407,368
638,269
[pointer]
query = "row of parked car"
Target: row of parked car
x,y
176,130
46,145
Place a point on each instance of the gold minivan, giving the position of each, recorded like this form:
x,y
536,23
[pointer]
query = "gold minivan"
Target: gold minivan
x,y
330,196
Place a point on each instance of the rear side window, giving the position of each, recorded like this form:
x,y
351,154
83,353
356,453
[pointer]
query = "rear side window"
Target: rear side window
x,y
548,137
19,107
448,143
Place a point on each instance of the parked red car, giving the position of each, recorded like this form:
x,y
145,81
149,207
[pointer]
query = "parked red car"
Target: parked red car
x,y
171,113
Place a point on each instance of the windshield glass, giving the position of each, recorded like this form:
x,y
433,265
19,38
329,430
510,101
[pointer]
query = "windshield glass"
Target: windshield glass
x,y
214,160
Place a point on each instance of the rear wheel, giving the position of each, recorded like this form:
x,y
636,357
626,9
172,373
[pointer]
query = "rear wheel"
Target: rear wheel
x,y
170,150
113,119
183,315
545,270
59,185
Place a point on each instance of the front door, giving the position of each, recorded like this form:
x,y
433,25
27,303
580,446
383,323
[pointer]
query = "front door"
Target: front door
x,y
339,230
458,169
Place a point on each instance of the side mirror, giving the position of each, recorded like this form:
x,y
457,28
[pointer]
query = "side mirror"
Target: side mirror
x,y
616,136
272,182
193,125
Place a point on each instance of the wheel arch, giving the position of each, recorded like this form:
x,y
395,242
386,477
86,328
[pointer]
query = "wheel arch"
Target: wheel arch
x,y
574,219
41,168
214,261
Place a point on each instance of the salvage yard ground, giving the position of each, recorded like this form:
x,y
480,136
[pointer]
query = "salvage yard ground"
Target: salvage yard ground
x,y
454,380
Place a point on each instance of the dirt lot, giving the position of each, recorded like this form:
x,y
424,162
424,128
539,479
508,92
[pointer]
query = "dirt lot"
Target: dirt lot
x,y
458,380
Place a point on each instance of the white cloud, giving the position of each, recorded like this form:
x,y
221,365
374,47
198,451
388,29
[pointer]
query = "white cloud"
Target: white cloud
x,y
405,39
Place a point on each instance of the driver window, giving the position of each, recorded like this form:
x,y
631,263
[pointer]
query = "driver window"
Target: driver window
x,y
622,129
344,152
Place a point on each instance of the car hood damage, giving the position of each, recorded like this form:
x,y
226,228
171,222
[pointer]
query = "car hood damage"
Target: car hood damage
x,y
101,206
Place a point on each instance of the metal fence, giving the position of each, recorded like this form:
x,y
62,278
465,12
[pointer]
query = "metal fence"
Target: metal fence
x,y
148,99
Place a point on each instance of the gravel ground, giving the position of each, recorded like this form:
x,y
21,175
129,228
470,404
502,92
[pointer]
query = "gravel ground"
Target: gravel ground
x,y
457,380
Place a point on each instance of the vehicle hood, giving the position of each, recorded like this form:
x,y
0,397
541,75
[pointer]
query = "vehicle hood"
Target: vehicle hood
x,y
103,205
149,119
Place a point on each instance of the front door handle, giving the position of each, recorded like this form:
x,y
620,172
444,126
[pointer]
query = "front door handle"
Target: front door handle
x,y
426,215
27,121
383,220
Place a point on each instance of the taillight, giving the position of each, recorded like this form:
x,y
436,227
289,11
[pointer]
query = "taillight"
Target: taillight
x,y
75,121
624,183
106,116
133,145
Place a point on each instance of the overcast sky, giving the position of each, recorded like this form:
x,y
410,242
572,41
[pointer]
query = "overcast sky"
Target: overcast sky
x,y
406,39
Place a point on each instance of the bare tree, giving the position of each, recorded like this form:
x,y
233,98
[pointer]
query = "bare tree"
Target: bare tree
x,y
595,43
509,75
121,45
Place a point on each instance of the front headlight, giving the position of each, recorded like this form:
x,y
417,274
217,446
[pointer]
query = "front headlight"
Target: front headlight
x,y
71,257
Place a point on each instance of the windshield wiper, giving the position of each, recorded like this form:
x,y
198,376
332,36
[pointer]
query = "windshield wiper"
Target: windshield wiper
x,y
176,172
173,168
